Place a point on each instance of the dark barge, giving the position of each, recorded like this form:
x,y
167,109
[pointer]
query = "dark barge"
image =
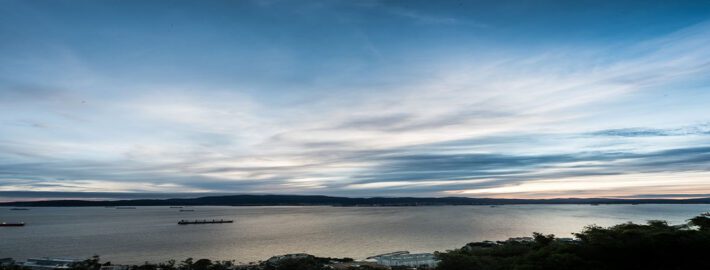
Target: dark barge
x,y
12,224
204,221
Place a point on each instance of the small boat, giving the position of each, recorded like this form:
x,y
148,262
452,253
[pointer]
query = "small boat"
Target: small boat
x,y
12,224
125,207
204,221
187,210
175,206
19,209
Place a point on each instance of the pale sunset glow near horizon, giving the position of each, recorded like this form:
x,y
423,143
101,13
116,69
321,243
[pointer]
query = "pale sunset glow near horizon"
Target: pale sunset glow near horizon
x,y
496,99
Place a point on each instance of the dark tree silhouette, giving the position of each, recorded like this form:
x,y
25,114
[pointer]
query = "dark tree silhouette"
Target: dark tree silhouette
x,y
655,245
702,221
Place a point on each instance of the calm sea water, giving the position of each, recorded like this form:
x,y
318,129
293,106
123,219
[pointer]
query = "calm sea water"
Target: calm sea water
x,y
151,233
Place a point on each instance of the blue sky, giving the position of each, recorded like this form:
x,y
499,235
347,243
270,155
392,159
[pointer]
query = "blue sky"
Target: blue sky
x,y
510,99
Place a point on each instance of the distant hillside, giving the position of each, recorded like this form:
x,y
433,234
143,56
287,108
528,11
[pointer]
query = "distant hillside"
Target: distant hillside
x,y
266,200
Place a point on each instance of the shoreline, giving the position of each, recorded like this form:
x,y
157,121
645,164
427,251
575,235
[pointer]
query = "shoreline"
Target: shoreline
x,y
319,200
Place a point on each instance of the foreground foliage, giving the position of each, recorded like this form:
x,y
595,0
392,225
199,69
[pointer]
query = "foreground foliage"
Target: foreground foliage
x,y
655,245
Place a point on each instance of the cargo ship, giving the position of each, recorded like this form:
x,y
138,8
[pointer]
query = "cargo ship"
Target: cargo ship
x,y
12,224
204,221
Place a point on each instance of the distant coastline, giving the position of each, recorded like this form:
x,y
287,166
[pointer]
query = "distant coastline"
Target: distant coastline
x,y
316,200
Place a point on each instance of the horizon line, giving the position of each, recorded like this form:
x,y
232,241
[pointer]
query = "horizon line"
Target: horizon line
x,y
43,196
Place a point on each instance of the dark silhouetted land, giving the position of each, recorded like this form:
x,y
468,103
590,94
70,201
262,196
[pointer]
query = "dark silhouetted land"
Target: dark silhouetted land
x,y
311,200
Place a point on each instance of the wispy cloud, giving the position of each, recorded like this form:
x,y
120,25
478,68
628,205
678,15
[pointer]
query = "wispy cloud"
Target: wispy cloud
x,y
433,19
702,129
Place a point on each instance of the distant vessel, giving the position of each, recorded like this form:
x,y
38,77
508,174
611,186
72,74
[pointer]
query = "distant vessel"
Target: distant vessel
x,y
124,207
204,221
48,263
12,224
187,210
175,206
19,209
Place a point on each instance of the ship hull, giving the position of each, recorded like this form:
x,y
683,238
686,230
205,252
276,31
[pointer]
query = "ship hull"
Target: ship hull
x,y
12,224
185,222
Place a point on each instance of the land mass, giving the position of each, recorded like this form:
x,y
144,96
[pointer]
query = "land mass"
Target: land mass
x,y
317,200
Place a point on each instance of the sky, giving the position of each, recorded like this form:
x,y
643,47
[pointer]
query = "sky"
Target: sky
x,y
499,99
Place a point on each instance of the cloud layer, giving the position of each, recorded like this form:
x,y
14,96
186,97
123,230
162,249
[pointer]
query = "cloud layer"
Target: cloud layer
x,y
366,99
